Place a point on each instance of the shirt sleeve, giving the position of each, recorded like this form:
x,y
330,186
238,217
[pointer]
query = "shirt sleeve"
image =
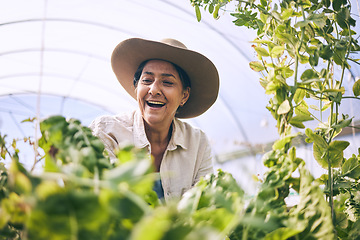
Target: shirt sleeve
x,y
98,128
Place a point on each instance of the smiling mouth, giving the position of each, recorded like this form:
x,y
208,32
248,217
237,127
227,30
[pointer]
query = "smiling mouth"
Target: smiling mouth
x,y
155,104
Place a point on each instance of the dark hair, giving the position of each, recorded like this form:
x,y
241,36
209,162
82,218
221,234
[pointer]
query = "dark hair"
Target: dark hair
x,y
184,78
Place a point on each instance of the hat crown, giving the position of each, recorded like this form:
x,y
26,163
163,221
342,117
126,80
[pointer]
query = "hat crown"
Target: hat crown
x,y
173,42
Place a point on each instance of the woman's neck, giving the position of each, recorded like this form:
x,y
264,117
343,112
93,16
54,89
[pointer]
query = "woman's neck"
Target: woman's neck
x,y
159,135
159,139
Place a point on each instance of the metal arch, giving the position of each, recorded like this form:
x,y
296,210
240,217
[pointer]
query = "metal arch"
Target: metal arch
x,y
34,93
61,50
59,76
101,25
27,106
16,123
32,109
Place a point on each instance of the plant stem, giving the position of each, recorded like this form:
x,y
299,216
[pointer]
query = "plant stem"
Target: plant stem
x,y
330,177
330,182
297,57
353,97
245,233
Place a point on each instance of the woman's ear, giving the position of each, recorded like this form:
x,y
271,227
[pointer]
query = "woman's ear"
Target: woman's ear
x,y
186,95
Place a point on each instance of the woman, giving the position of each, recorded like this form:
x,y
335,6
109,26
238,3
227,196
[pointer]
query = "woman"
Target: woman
x,y
169,82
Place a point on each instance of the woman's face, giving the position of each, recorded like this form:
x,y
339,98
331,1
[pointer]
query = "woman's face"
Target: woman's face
x,y
160,92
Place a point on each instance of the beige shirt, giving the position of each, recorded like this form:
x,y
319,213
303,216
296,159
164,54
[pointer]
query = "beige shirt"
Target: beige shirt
x,y
187,157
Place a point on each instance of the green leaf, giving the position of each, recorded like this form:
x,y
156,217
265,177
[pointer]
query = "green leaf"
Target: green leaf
x,y
302,109
22,183
129,171
351,168
261,51
327,3
339,56
303,59
277,51
312,215
343,18
301,24
299,95
286,71
332,153
336,152
280,144
50,165
337,5
298,120
262,41
325,52
347,32
320,155
284,107
198,13
316,138
354,233
256,66
297,124
153,227
309,74
29,120
342,124
286,38
314,58
356,88
211,8
341,220
216,11
302,118
282,234
287,13
318,19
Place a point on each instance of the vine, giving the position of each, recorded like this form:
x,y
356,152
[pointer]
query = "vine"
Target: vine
x,y
304,48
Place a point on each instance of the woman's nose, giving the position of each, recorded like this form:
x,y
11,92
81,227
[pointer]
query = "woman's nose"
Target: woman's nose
x,y
155,88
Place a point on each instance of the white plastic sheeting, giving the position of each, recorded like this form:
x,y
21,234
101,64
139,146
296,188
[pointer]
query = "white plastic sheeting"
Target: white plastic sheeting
x,y
55,59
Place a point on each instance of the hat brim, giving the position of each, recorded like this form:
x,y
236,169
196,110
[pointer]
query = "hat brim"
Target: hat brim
x,y
204,78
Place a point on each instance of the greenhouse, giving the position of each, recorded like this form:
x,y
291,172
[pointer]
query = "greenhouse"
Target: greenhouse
x,y
55,59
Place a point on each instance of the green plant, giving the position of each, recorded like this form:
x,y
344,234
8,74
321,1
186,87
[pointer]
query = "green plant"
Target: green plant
x,y
304,48
82,195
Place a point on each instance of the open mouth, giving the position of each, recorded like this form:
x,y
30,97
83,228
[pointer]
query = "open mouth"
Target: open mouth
x,y
155,104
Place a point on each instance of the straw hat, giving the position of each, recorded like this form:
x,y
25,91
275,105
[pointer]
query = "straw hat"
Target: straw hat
x,y
203,75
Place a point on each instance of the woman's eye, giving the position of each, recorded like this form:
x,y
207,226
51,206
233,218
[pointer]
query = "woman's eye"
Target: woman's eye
x,y
168,83
146,81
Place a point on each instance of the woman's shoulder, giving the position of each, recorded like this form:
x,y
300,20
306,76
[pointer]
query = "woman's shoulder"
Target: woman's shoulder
x,y
187,128
110,121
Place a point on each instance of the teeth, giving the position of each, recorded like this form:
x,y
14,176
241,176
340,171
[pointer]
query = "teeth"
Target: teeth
x,y
157,103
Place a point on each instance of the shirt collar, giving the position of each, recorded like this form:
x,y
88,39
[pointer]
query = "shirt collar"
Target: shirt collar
x,y
141,141
178,136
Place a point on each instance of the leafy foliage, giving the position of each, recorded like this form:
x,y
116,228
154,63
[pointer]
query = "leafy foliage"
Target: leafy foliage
x,y
303,50
82,195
